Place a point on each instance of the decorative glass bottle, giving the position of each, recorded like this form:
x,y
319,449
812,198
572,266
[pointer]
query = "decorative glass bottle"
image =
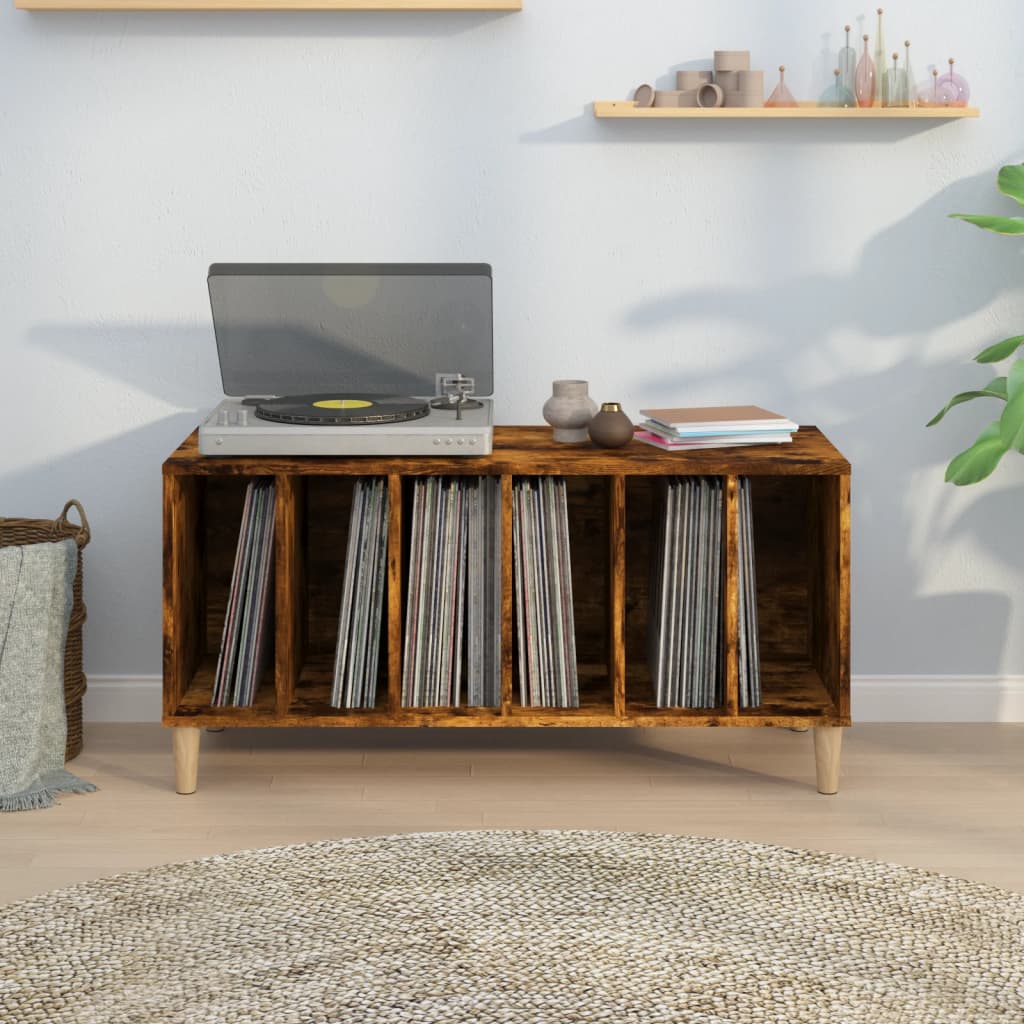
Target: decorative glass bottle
x,y
781,97
954,88
848,64
836,95
881,59
895,84
911,84
865,81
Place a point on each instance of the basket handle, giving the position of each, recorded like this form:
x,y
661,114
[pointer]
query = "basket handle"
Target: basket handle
x,y
84,533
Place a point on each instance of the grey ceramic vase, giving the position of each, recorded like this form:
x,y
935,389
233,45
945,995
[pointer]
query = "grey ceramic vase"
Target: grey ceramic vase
x,y
611,427
569,409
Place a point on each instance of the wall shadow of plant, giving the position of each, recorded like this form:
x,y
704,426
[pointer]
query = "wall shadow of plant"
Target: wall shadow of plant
x,y
873,400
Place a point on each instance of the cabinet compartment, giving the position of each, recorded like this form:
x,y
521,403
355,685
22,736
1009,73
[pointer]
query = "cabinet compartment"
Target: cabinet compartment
x,y
206,516
797,552
644,518
587,501
323,506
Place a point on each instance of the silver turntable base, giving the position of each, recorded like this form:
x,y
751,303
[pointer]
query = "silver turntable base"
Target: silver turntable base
x,y
234,429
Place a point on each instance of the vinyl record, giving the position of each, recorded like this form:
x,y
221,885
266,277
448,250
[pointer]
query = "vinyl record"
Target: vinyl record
x,y
341,410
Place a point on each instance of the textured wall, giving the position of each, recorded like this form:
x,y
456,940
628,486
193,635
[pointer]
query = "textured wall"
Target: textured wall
x,y
808,267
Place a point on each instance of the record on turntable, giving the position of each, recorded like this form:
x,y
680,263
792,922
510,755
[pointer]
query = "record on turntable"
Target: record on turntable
x,y
342,410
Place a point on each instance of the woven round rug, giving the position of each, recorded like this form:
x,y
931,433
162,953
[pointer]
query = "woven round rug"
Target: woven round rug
x,y
510,927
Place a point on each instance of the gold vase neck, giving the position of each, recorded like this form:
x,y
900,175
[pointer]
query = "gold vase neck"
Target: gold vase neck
x,y
611,407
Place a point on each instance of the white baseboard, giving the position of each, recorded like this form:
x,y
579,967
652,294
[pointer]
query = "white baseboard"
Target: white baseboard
x,y
123,699
937,698
874,699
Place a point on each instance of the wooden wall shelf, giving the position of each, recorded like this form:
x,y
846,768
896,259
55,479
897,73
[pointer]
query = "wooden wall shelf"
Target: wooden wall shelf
x,y
627,108
269,5
801,539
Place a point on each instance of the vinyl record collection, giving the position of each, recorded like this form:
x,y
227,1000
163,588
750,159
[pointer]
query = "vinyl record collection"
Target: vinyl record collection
x,y
362,597
247,622
453,611
686,635
543,594
749,652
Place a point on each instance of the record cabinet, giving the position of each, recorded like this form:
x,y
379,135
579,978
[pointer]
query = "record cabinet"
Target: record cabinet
x,y
801,516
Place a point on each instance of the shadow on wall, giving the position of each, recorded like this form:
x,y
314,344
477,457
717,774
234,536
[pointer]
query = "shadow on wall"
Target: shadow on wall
x,y
118,479
909,282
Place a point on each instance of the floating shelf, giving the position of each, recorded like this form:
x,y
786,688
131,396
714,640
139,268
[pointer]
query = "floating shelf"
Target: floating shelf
x,y
627,108
269,5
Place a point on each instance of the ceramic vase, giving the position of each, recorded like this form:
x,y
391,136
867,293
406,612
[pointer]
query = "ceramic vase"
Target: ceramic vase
x,y
569,410
611,427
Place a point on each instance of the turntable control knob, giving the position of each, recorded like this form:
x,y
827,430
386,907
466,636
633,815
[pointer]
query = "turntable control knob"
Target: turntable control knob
x,y
437,440
461,441
448,440
222,418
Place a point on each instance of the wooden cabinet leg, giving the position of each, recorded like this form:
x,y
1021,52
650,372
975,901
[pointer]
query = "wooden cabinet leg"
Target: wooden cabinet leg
x,y
828,741
185,740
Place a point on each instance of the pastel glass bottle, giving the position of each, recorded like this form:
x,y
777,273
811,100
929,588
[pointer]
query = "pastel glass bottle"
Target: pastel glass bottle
x,y
895,84
911,85
954,87
836,95
881,60
848,64
781,97
865,81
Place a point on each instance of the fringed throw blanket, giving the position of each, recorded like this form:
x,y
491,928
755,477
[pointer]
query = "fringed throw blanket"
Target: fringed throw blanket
x,y
35,606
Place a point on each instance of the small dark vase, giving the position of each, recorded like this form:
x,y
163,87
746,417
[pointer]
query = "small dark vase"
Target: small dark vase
x,y
611,427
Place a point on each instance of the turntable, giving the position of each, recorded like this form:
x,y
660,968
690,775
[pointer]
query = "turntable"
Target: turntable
x,y
352,359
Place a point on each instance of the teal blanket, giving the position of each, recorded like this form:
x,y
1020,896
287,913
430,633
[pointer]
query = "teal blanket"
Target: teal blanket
x,y
35,606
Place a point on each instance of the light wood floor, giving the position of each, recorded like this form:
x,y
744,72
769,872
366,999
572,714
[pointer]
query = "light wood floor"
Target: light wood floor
x,y
945,797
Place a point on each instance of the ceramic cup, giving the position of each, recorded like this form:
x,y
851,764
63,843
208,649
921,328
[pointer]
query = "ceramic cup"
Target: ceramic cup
x,y
710,96
750,81
728,80
744,99
687,80
732,60
667,97
643,96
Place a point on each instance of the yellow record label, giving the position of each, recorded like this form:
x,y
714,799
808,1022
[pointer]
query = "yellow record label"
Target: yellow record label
x,y
343,403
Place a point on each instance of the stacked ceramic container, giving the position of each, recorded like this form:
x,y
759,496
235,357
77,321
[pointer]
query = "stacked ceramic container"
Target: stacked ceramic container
x,y
731,84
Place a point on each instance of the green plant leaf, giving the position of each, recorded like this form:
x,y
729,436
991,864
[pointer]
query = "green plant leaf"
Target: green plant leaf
x,y
1011,182
994,389
1000,350
1000,225
1011,423
979,460
1015,379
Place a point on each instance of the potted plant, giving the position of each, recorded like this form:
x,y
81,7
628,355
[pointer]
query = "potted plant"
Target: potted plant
x,y
1007,432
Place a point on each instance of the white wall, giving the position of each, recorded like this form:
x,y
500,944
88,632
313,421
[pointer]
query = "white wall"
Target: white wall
x,y
807,267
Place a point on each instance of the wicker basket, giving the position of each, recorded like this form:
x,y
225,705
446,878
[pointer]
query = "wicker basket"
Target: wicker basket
x,y
39,531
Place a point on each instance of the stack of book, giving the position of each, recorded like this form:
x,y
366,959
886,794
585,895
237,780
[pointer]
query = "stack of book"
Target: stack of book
x,y
243,646
453,608
362,597
543,594
686,636
716,427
